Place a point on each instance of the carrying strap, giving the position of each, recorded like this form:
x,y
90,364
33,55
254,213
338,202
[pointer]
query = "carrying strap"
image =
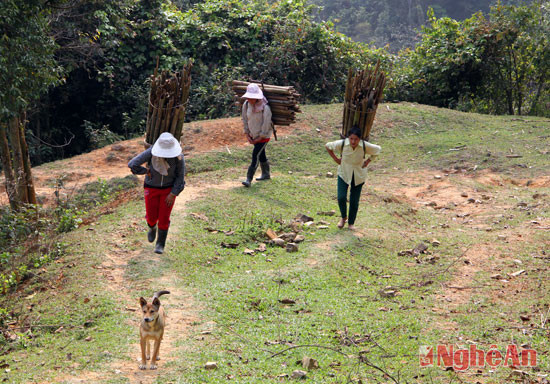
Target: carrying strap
x,y
364,148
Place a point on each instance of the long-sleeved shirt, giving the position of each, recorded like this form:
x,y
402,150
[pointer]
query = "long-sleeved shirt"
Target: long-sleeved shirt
x,y
257,124
153,179
351,166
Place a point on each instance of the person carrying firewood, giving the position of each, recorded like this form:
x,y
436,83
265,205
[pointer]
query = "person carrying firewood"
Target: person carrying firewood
x,y
164,181
352,171
256,116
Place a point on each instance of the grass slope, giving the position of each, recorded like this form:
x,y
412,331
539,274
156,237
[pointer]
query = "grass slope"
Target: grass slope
x,y
338,315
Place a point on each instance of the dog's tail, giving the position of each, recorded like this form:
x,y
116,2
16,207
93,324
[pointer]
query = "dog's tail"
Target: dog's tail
x,y
160,293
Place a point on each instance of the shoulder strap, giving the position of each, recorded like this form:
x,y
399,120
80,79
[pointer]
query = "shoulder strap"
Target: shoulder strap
x,y
364,149
342,148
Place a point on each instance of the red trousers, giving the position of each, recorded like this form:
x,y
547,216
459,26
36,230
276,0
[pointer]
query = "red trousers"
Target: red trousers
x,y
156,209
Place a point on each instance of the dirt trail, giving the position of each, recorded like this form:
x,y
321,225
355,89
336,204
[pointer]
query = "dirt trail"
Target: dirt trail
x,y
180,307
111,161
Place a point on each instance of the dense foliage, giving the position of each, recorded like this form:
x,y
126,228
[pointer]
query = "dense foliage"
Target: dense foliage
x,y
27,65
393,22
107,50
497,64
106,88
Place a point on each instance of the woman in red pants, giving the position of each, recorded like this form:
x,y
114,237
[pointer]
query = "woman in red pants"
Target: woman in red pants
x,y
164,181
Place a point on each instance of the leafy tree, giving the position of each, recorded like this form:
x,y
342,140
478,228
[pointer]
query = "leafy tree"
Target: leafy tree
x,y
27,69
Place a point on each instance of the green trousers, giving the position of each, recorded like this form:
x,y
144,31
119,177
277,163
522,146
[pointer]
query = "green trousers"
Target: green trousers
x,y
354,196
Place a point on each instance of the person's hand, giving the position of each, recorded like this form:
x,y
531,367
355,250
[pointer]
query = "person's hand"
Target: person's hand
x,y
249,138
338,161
365,163
170,199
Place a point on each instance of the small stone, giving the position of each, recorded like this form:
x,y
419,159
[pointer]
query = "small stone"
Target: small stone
x,y
501,237
436,243
323,227
211,365
309,363
299,238
248,251
290,172
516,274
298,374
496,276
303,218
261,247
292,247
327,213
278,241
288,236
330,174
437,177
89,338
464,194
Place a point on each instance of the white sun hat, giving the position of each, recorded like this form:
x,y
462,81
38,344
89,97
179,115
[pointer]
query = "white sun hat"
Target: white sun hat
x,y
253,92
166,146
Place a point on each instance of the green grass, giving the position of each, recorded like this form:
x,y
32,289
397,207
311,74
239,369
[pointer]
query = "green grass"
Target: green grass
x,y
334,279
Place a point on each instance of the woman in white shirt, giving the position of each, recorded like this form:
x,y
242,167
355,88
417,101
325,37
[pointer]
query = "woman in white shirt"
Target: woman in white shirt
x,y
352,171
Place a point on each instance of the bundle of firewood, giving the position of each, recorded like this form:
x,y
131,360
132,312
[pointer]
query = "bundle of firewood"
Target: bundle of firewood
x,y
167,103
283,101
364,90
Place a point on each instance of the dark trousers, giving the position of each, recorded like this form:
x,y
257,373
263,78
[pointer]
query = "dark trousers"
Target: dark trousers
x,y
258,154
354,196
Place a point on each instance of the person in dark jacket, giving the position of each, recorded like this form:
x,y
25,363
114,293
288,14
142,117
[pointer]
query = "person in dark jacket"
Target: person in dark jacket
x,y
164,181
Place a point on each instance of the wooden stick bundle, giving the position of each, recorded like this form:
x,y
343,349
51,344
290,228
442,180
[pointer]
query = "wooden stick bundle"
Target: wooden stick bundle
x,y
364,91
283,101
167,103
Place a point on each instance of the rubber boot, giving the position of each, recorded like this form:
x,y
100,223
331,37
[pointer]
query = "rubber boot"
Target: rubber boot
x,y
152,234
265,171
161,241
249,176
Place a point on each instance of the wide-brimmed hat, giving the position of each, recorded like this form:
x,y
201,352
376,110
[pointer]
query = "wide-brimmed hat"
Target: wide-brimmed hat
x,y
166,146
253,92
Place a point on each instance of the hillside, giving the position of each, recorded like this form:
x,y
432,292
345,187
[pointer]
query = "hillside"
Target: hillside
x,y
473,188
394,22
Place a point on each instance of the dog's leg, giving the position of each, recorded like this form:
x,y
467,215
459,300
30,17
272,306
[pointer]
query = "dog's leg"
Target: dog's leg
x,y
148,350
143,344
155,354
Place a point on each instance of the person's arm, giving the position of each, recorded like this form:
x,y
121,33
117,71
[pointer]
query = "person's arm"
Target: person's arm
x,y
135,164
179,182
265,132
373,150
245,122
330,149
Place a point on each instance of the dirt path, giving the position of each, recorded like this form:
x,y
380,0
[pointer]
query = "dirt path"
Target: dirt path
x,y
180,307
111,161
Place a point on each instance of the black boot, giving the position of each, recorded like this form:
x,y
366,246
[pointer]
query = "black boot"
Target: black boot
x,y
265,171
161,241
249,176
152,234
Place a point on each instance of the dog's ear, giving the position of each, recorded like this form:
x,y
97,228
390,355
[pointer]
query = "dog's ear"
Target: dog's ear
x,y
156,302
142,302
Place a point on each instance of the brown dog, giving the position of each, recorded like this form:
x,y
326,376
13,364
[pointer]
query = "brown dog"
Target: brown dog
x,y
151,328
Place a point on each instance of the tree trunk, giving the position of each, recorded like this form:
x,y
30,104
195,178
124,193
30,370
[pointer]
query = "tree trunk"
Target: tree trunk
x,y
5,154
17,157
26,159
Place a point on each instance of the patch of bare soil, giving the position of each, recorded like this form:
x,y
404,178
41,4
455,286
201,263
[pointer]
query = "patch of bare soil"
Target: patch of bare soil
x,y
112,161
181,309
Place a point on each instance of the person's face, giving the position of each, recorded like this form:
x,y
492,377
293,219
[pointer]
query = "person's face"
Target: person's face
x,y
252,101
354,140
